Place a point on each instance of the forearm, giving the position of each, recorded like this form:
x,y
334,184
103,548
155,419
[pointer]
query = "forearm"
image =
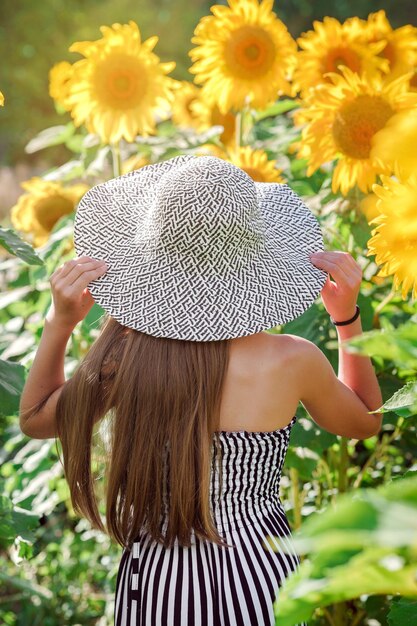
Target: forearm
x,y
47,371
356,371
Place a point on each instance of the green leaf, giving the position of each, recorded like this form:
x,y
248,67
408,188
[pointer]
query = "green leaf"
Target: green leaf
x,y
75,143
374,571
52,136
354,548
15,521
12,380
24,522
68,171
403,402
280,107
302,187
403,612
397,344
10,240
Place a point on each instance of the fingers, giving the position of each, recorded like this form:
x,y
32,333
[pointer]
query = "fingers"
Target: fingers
x,y
75,266
341,265
76,274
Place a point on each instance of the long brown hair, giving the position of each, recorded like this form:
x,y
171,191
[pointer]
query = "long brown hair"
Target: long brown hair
x,y
151,390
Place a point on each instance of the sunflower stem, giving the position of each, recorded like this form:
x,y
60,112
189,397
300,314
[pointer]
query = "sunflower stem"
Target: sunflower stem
x,y
239,130
343,465
385,301
117,162
247,125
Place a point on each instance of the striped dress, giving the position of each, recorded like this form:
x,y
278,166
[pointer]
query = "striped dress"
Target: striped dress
x,y
205,584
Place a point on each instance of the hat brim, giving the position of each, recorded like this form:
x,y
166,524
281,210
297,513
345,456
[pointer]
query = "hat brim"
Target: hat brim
x,y
162,296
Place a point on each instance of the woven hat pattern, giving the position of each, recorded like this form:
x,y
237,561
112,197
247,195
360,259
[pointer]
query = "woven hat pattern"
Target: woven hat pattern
x,y
197,251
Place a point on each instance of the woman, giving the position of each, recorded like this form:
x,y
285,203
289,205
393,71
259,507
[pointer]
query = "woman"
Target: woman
x,y
192,262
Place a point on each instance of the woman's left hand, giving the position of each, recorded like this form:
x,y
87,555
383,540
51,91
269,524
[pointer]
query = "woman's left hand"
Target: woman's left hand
x,y
71,300
339,298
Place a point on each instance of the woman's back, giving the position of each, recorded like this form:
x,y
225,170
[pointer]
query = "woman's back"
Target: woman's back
x,y
205,583
260,392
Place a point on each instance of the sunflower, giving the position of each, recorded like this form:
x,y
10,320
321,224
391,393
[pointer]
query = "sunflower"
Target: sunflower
x,y
120,85
207,114
396,143
59,77
1,99
342,119
256,164
394,240
400,48
182,112
332,45
244,54
38,210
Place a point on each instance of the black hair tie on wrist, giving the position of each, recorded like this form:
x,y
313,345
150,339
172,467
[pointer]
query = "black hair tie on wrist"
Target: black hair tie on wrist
x,y
352,319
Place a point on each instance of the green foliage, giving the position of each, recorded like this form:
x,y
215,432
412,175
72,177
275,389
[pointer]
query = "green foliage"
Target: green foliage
x,y
15,245
355,549
403,402
15,522
403,612
12,379
395,344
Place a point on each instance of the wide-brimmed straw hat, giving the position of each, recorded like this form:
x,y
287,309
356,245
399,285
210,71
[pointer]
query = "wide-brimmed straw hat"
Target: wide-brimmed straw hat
x,y
196,250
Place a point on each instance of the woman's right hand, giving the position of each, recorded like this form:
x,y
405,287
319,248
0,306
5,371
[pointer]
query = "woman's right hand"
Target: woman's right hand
x,y
339,298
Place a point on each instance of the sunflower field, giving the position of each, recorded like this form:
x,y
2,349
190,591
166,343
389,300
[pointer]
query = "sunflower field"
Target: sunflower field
x,y
332,113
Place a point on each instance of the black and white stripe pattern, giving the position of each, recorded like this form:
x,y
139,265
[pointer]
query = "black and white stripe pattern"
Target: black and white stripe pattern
x,y
196,250
207,585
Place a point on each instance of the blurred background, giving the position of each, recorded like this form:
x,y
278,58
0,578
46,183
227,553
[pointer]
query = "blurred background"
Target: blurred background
x,y
36,35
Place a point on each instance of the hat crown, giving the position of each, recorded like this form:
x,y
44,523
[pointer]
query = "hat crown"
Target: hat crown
x,y
207,206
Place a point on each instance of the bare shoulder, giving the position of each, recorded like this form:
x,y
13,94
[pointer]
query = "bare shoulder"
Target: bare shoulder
x,y
328,401
286,348
265,353
303,364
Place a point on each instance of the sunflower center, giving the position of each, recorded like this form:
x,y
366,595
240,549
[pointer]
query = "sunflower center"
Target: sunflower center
x,y
49,210
249,52
253,51
120,81
121,84
356,123
340,56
